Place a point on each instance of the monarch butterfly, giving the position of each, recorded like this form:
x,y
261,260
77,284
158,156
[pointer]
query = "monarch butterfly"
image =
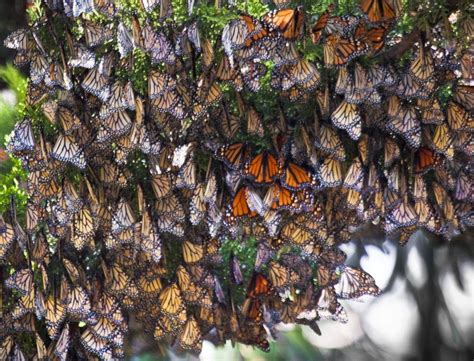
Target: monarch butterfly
x,y
346,117
227,73
295,177
187,176
458,118
57,77
328,307
208,55
114,126
167,102
84,226
95,345
281,276
354,176
106,7
68,120
324,276
405,122
254,201
123,218
191,338
19,40
340,25
170,206
378,10
374,37
197,205
426,159
35,93
63,343
233,155
253,333
278,197
105,329
295,234
319,26
21,281
97,84
463,142
7,236
54,316
354,282
251,74
96,34
117,281
391,152
284,54
339,51
254,122
364,146
408,87
259,286
192,252
67,151
463,187
422,67
252,310
158,46
235,272
419,191
234,35
228,123
330,172
402,215
262,169
22,139
344,83
281,79
159,83
304,73
240,206
288,22
82,57
162,185
431,112
358,88
442,140
121,98
464,95
323,101
191,293
38,68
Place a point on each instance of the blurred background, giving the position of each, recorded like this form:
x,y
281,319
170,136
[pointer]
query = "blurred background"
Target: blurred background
x,y
425,311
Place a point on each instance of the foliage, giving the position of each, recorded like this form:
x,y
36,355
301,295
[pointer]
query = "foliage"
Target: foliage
x,y
11,172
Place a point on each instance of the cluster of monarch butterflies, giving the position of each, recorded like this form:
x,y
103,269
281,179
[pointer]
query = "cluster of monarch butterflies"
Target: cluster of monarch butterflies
x,y
133,194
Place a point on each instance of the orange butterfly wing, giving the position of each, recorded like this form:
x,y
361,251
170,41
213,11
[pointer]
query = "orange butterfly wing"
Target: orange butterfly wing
x,y
240,207
263,168
378,10
259,286
296,177
288,21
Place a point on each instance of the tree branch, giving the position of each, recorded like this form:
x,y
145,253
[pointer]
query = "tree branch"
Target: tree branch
x,y
396,51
